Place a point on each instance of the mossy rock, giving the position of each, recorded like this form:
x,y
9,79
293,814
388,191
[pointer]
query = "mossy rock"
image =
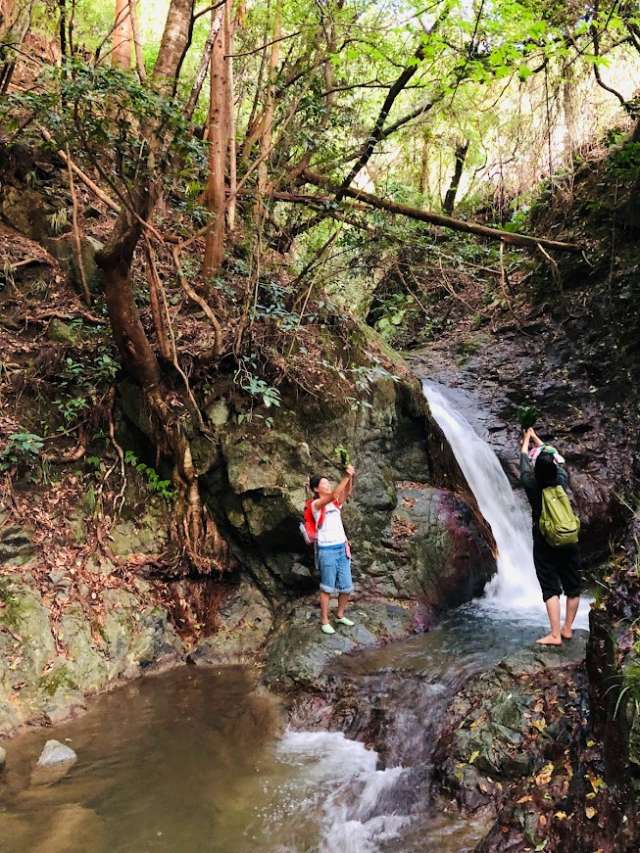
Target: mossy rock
x,y
63,333
146,534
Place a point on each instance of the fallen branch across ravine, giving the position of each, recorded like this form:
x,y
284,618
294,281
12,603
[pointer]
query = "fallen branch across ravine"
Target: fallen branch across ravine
x,y
514,239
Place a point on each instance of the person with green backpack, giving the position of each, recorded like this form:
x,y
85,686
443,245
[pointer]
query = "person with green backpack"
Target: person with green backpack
x,y
556,530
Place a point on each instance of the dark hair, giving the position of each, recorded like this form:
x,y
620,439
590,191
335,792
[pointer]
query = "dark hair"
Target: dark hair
x,y
314,482
545,470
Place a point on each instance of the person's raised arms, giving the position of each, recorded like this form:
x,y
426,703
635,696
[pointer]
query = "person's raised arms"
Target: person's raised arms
x,y
339,494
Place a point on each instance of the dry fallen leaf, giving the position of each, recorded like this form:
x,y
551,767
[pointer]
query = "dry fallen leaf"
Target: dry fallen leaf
x,y
544,776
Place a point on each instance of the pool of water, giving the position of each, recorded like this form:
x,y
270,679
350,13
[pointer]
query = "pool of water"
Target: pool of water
x,y
194,760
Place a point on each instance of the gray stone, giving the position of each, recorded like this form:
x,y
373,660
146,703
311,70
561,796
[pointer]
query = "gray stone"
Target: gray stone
x,y
55,752
64,249
300,652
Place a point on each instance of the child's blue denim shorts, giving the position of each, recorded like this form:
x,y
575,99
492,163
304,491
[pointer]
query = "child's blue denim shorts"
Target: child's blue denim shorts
x,y
334,567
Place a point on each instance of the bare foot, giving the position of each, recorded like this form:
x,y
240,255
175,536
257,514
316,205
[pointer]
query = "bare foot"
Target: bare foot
x,y
549,640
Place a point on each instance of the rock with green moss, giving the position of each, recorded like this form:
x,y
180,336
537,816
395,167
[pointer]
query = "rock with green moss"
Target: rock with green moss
x,y
80,270
63,333
145,533
43,682
497,727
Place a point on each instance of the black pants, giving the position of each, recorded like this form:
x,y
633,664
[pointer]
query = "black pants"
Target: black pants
x,y
558,569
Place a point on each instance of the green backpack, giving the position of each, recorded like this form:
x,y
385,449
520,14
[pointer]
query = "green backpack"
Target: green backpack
x,y
558,523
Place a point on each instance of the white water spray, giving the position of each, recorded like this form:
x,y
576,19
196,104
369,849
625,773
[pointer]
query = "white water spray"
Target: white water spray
x,y
515,586
339,781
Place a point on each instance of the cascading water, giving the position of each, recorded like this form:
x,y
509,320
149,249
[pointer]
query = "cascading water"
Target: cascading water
x,y
514,590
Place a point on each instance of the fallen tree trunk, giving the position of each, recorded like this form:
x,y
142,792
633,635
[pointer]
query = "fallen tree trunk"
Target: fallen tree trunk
x,y
526,240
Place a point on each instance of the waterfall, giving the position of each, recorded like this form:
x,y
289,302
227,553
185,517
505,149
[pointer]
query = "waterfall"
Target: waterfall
x,y
515,586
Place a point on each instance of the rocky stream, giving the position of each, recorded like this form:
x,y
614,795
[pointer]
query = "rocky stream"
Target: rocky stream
x,y
411,731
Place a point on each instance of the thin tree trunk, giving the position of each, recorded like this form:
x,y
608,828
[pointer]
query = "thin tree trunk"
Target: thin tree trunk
x,y
450,197
442,220
122,36
6,15
137,40
62,29
201,73
423,179
218,110
267,123
569,110
231,120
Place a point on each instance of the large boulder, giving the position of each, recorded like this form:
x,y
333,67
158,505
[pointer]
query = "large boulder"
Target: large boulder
x,y
439,552
499,725
258,493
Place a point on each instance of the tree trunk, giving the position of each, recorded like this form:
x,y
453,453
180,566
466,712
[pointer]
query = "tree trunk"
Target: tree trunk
x,y
229,26
201,73
569,110
6,15
137,40
423,178
267,124
173,46
450,197
122,36
130,337
194,530
218,111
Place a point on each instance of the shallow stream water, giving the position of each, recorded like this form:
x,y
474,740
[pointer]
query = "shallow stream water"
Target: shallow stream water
x,y
198,759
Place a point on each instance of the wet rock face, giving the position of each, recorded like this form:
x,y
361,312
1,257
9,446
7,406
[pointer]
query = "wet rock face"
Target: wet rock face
x,y
586,416
440,554
490,743
299,653
244,621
